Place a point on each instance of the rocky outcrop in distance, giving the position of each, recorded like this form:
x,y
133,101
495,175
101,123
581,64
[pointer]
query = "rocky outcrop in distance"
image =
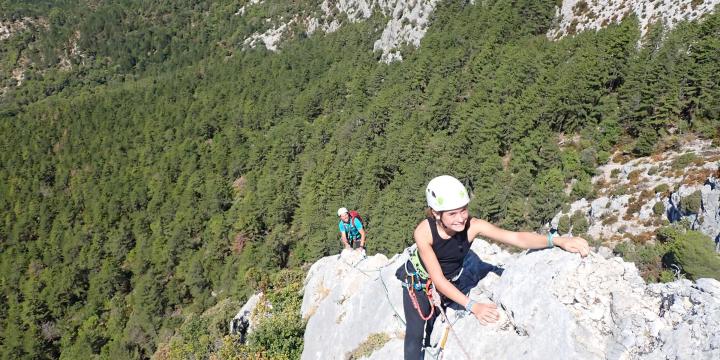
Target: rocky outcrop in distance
x,y
8,28
244,322
636,197
580,15
407,23
408,20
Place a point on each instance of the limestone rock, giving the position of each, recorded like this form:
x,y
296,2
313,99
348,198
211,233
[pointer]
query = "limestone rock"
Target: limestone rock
x,y
348,298
553,304
578,15
243,323
408,20
634,183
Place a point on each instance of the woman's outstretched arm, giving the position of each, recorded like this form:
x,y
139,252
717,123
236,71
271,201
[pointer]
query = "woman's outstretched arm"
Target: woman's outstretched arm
x,y
526,240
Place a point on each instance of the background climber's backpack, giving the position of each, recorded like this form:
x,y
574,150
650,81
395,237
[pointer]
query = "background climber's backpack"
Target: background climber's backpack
x,y
355,215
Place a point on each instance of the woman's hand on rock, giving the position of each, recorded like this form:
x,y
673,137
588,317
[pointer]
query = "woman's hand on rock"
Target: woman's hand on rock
x,y
485,313
573,244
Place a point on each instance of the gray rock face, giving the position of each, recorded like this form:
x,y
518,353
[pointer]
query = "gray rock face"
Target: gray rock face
x,y
553,304
592,308
408,23
348,298
408,20
8,28
579,15
710,211
633,186
711,208
707,219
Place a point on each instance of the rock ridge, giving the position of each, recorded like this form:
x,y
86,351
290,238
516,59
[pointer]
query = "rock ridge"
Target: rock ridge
x,y
553,304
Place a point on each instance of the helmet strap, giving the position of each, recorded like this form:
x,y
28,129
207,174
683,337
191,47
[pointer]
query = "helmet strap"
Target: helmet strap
x,y
438,219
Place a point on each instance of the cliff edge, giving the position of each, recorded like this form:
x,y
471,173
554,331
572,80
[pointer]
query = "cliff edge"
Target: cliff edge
x,y
553,304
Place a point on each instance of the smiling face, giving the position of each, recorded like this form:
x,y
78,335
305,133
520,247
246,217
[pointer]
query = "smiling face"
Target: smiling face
x,y
454,220
345,217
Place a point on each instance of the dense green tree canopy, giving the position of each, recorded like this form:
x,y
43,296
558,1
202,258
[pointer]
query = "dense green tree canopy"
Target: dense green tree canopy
x,y
167,168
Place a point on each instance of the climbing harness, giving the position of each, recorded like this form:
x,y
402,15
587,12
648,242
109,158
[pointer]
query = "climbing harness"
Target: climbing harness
x,y
420,280
417,264
420,269
414,299
416,282
434,300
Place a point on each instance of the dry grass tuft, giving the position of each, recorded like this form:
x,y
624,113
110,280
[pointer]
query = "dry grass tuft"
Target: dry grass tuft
x,y
370,345
699,177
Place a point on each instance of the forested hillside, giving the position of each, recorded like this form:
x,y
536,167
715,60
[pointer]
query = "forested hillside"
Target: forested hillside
x,y
152,168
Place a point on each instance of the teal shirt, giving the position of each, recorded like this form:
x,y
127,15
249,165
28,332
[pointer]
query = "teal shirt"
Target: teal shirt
x,y
352,232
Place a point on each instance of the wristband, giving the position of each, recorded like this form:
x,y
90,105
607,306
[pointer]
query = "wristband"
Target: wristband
x,y
550,236
469,305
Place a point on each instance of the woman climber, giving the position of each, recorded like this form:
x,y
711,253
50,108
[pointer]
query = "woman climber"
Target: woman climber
x,y
443,240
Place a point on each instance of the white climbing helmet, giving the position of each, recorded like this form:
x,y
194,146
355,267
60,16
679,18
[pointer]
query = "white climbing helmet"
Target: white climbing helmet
x,y
446,193
342,210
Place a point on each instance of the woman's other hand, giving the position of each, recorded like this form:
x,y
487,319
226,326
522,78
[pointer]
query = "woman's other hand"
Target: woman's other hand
x,y
485,313
573,244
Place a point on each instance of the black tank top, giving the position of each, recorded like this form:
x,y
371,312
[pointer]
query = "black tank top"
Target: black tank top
x,y
450,252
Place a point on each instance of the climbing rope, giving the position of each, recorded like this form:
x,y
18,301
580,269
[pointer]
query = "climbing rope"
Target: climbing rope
x,y
387,296
413,298
438,352
428,289
368,273
434,300
452,330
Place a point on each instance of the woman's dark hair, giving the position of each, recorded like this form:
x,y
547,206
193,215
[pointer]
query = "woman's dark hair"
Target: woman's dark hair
x,y
429,212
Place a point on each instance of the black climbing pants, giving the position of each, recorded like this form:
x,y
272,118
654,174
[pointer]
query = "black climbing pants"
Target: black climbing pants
x,y
415,326
474,270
